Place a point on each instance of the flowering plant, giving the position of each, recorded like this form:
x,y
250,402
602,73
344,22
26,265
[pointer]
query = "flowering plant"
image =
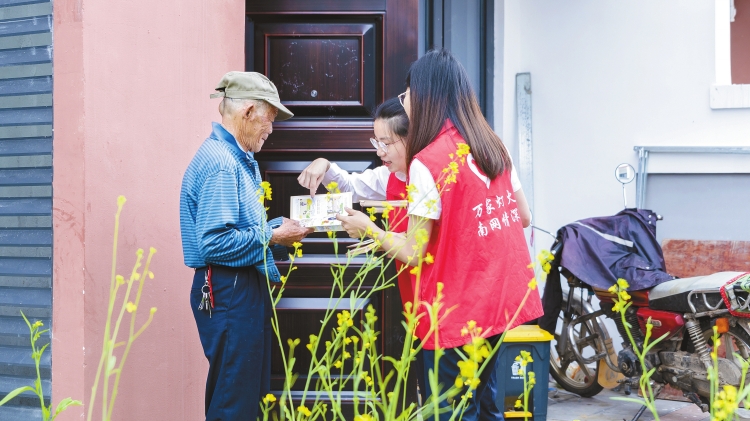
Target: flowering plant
x,y
109,369
35,333
344,358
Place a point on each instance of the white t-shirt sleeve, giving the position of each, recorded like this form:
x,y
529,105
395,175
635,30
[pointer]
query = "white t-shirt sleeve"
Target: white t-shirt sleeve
x,y
370,184
425,196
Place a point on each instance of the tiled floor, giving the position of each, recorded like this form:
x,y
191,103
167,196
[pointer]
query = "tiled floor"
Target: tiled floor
x,y
563,406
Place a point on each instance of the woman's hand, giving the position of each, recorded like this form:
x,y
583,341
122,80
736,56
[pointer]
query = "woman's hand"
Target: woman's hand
x,y
356,223
312,176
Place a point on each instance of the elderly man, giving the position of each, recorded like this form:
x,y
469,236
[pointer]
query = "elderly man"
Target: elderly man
x,y
227,240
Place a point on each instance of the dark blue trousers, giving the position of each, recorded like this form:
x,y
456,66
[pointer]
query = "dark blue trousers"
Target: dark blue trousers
x,y
482,405
236,340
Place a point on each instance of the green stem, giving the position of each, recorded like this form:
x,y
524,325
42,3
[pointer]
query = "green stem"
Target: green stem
x,y
110,308
132,336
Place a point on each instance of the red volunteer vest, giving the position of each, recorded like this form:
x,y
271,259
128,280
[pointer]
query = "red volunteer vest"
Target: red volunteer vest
x,y
399,222
479,249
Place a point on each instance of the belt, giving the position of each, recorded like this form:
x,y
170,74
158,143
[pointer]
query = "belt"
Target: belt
x,y
227,268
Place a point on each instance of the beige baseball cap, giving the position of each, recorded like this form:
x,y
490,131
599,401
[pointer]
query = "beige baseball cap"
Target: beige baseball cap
x,y
251,85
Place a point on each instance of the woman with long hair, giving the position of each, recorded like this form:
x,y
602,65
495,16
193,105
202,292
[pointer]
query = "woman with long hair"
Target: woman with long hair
x,y
465,196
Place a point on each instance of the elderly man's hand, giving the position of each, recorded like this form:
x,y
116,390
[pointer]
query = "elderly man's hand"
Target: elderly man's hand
x,y
289,232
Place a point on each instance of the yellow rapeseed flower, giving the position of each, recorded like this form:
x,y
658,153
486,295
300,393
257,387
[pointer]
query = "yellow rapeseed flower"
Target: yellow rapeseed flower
x,y
387,210
269,398
421,237
304,411
130,307
463,149
264,192
410,191
333,187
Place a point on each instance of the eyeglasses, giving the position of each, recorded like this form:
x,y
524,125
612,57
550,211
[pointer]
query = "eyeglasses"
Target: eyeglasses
x,y
401,97
380,145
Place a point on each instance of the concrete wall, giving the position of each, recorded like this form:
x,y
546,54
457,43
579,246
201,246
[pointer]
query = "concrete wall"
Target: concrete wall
x,y
131,106
606,76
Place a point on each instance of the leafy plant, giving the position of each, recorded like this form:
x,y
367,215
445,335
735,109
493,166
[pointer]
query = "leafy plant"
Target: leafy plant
x,y
622,304
36,353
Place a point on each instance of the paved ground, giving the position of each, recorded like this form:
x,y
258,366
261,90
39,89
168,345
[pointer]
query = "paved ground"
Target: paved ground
x,y
563,406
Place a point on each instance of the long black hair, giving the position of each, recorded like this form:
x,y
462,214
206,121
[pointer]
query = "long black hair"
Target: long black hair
x,y
440,90
395,117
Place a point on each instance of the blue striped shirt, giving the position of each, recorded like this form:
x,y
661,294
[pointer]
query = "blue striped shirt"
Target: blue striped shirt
x,y
221,219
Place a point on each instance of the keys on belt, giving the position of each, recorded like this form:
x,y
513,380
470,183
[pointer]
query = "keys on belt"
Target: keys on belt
x,y
207,301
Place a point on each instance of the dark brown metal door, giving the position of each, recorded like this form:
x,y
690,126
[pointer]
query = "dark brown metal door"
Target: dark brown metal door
x,y
333,62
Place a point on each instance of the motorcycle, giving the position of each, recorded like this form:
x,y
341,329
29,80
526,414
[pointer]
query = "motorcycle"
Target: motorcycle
x,y
590,255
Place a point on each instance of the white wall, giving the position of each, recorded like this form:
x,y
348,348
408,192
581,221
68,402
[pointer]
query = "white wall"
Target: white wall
x,y
608,75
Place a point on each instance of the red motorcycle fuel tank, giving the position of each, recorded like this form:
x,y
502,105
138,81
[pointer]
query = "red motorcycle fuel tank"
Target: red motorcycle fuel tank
x,y
663,321
639,298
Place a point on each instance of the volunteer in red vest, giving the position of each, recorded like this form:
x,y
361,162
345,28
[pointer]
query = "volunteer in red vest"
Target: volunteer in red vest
x,y
473,210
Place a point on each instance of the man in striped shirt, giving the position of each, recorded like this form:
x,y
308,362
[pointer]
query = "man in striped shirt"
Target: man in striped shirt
x,y
227,239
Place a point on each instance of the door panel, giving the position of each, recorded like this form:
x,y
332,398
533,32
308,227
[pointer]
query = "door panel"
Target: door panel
x,y
320,64
333,61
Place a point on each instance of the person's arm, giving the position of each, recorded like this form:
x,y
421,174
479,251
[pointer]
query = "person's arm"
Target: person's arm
x,y
289,232
424,209
523,208
370,184
523,205
217,214
402,246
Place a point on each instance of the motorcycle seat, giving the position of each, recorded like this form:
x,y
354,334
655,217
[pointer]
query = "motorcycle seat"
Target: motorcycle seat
x,y
673,295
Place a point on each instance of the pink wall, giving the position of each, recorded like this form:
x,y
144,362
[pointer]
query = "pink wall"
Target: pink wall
x,y
131,106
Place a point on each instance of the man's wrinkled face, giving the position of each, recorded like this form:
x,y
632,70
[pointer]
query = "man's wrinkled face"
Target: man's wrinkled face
x,y
256,125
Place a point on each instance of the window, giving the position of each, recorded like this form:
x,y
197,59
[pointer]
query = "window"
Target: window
x,y
732,23
740,42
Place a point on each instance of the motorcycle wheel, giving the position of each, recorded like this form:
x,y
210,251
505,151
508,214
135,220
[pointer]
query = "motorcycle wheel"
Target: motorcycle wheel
x,y
572,375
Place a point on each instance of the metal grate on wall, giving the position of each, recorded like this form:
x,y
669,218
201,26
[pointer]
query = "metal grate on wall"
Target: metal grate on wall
x,y
25,196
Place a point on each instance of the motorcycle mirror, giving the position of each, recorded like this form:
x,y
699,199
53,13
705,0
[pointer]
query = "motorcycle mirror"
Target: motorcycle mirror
x,y
625,173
